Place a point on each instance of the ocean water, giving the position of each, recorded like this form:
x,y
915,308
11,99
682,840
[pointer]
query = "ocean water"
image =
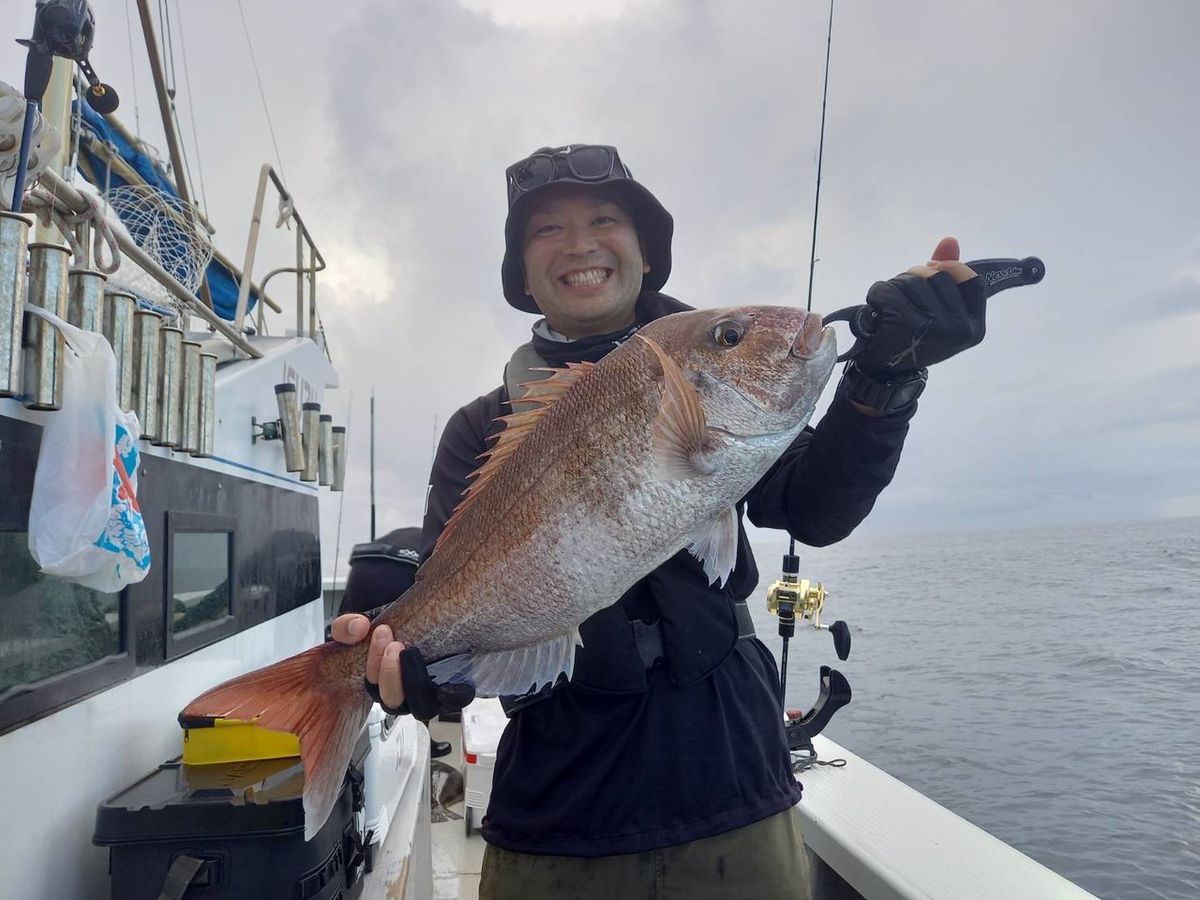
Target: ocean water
x,y
1042,683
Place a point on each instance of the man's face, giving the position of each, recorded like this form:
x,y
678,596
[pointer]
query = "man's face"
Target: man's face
x,y
583,261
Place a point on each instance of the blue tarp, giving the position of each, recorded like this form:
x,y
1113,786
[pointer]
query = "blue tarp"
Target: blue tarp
x,y
222,284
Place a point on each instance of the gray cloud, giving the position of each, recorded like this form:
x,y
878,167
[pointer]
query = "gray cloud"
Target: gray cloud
x,y
1022,128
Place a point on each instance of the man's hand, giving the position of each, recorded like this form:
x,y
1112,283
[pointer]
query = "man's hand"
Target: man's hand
x,y
926,315
383,655
398,673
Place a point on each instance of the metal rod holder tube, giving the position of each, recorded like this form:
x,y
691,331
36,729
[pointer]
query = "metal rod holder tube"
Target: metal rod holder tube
x,y
190,406
325,454
170,384
289,414
208,401
43,345
339,458
85,294
312,441
14,242
116,323
146,325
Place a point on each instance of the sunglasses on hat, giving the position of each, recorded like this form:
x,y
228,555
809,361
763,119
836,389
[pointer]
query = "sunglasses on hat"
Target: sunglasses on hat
x,y
575,162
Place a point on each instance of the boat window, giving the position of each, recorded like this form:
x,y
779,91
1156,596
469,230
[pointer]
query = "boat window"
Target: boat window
x,y
49,626
199,599
200,579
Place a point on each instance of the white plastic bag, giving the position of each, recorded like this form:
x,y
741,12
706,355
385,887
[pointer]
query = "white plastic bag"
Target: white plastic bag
x,y
84,521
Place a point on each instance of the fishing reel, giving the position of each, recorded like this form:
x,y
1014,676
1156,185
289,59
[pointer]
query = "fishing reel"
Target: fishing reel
x,y
787,598
64,28
792,596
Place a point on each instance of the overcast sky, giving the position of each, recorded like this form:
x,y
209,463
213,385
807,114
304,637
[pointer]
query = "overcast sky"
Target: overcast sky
x,y
1067,130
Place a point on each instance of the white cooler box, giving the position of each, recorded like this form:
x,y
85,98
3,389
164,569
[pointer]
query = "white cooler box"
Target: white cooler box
x,y
483,722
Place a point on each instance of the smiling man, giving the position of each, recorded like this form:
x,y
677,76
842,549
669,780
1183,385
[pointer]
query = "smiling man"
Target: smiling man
x,y
661,768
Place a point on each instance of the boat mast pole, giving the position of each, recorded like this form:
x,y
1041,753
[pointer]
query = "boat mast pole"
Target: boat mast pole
x,y
164,111
56,110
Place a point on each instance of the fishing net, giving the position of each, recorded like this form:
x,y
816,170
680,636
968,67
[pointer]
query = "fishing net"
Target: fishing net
x,y
170,233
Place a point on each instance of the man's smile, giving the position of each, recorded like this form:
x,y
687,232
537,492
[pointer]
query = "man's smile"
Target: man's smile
x,y
586,277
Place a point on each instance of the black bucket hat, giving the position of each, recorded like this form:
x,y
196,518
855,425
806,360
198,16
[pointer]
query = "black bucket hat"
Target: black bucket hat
x,y
587,164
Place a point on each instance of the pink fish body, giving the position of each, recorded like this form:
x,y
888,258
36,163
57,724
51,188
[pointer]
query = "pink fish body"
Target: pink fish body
x,y
621,464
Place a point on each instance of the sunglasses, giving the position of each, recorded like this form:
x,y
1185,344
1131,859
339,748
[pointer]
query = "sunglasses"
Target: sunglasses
x,y
577,162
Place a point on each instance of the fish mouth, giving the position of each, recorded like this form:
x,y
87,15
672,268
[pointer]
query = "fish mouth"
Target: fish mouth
x,y
812,338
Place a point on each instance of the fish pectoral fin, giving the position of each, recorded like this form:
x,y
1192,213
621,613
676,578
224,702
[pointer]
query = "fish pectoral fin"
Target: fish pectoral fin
x,y
516,671
716,545
679,435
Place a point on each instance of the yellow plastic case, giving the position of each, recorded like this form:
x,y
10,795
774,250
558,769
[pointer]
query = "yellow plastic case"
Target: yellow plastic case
x,y
233,740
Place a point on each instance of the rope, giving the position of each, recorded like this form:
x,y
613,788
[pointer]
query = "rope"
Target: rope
x,y
262,94
802,762
187,85
137,121
51,210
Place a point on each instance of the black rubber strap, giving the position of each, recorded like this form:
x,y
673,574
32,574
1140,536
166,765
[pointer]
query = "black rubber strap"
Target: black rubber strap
x,y
648,635
648,638
741,610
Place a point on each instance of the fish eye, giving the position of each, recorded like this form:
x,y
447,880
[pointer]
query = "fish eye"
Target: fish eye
x,y
727,334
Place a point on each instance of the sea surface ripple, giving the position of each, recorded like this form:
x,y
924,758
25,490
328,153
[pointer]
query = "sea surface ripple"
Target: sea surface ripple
x,y
1042,683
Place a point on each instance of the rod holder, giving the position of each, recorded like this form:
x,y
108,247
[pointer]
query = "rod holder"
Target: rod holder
x,y
85,295
189,440
208,401
116,324
339,458
42,373
146,325
312,441
170,384
14,283
325,463
289,416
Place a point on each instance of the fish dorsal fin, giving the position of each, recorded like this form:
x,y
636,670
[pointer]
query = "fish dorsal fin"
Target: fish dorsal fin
x,y
716,546
680,431
517,427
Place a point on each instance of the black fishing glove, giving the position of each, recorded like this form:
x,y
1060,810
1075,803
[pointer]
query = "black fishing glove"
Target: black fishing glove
x,y
921,321
423,698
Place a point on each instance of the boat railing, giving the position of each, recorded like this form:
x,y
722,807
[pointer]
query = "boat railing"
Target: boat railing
x,y
305,271
76,203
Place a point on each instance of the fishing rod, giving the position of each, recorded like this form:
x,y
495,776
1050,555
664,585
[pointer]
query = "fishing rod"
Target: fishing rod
x,y
779,601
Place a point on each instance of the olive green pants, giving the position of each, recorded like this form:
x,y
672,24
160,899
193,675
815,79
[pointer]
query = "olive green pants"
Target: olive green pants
x,y
764,861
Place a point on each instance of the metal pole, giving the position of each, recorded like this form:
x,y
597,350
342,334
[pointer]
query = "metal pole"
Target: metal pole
x,y
243,299
299,282
164,110
372,463
812,263
56,110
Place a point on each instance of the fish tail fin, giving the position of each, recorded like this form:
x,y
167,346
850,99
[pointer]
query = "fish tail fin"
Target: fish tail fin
x,y
298,696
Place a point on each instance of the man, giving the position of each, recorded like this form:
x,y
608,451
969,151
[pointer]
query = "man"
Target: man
x,y
662,767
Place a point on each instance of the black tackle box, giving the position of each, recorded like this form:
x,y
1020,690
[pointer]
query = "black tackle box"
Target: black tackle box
x,y
244,824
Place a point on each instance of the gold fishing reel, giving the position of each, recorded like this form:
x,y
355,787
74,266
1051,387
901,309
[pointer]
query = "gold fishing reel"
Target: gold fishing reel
x,y
793,597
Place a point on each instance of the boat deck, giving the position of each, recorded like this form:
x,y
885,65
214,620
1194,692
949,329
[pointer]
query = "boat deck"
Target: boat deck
x,y
457,858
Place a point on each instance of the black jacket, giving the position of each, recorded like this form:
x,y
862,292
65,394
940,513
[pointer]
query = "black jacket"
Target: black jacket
x,y
623,759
